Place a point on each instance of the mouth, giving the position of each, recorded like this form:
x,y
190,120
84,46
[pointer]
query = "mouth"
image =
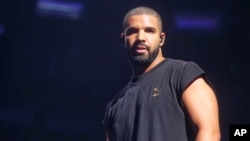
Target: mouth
x,y
141,49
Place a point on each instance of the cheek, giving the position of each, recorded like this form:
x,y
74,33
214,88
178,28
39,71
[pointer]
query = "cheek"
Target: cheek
x,y
129,42
157,42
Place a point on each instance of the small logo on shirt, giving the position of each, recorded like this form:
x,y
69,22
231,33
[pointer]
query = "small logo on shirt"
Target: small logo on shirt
x,y
155,92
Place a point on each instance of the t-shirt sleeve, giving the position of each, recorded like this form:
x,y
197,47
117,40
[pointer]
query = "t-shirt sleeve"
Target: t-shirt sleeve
x,y
106,117
190,73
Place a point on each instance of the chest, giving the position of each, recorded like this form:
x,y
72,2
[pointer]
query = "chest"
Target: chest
x,y
150,99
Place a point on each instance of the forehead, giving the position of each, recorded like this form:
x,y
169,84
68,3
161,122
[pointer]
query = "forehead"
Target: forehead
x,y
143,21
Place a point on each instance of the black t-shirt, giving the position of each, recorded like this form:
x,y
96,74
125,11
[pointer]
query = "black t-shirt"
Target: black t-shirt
x,y
149,107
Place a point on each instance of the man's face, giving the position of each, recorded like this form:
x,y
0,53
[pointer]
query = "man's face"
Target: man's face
x,y
142,38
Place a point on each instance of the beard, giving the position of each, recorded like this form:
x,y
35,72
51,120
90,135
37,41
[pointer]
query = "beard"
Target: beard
x,y
143,60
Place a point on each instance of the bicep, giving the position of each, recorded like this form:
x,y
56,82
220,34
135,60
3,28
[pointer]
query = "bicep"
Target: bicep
x,y
200,102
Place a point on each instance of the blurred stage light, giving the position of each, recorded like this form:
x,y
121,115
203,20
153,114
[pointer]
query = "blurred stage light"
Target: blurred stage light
x,y
197,20
2,29
66,9
185,22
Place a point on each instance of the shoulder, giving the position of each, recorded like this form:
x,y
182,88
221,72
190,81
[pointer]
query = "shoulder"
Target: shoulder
x,y
117,96
184,72
177,64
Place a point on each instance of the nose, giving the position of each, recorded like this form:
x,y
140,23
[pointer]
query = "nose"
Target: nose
x,y
141,35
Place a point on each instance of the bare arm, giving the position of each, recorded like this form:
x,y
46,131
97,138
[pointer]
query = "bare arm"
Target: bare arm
x,y
201,104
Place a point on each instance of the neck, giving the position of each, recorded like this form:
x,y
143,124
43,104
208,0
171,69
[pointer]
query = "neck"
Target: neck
x,y
138,70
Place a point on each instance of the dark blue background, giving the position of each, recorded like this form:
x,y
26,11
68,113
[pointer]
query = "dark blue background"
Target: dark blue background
x,y
58,74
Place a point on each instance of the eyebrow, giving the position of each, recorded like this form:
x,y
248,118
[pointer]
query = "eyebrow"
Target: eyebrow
x,y
151,28
135,28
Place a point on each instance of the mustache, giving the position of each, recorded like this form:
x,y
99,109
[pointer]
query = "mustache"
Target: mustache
x,y
139,45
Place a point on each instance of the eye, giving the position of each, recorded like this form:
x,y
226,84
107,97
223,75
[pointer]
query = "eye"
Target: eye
x,y
150,30
131,31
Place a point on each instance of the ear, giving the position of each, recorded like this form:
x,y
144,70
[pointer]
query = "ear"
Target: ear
x,y
122,36
162,38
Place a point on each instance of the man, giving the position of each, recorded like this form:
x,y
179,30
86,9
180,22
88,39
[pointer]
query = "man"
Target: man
x,y
166,99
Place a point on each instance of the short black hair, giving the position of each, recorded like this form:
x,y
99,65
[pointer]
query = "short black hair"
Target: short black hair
x,y
142,10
